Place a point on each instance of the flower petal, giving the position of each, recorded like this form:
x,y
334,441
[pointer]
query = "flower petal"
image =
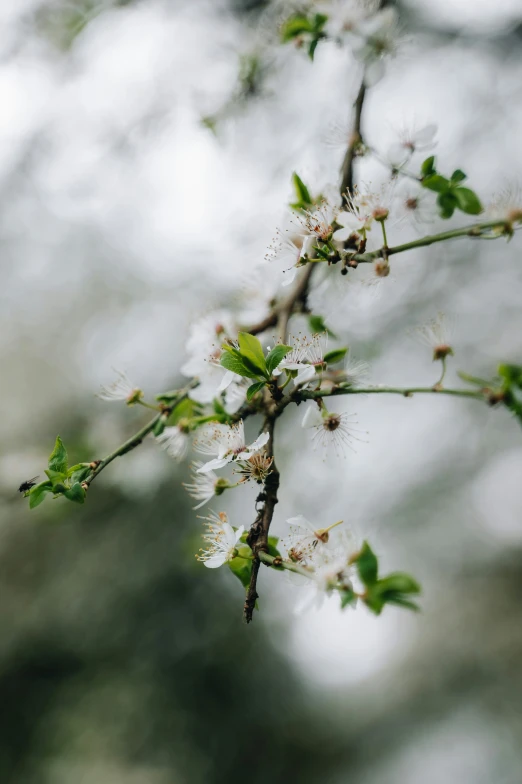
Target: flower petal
x,y
226,381
215,561
312,417
258,443
212,464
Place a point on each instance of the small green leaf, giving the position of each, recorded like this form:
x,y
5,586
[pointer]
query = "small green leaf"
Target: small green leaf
x,y
447,203
81,474
399,582
235,363
316,324
511,373
242,568
56,476
254,389
252,352
276,356
58,458
312,47
294,26
428,166
367,565
159,427
347,597
272,546
435,182
458,176
301,191
334,356
76,493
37,494
319,22
467,201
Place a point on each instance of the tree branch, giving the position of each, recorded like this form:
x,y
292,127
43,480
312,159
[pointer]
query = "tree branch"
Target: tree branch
x,y
280,316
477,231
318,394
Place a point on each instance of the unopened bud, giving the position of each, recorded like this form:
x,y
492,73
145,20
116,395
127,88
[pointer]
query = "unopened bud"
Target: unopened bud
x,y
382,269
380,214
441,352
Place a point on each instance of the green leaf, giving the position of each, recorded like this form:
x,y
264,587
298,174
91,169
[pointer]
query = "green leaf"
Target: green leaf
x,y
334,356
81,474
400,601
435,182
235,363
242,568
159,427
347,597
374,601
272,546
312,47
294,26
56,476
399,582
458,176
302,193
511,373
37,494
316,324
467,201
254,389
58,458
367,565
319,22
447,203
428,166
252,352
76,493
276,356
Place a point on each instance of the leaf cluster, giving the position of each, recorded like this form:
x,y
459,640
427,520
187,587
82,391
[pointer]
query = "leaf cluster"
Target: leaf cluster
x,y
395,588
61,480
451,194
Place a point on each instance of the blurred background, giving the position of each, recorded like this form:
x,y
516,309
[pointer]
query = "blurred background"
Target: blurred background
x,y
146,151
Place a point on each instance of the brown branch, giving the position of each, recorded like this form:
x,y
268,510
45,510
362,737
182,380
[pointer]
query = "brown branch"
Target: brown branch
x,y
258,534
355,141
279,316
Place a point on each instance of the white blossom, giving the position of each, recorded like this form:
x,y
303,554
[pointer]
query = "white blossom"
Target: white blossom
x,y
228,442
415,203
204,352
506,205
175,440
304,538
375,38
437,335
257,467
331,429
355,372
345,17
288,254
121,389
332,571
411,140
356,218
221,541
306,357
316,224
203,486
